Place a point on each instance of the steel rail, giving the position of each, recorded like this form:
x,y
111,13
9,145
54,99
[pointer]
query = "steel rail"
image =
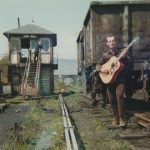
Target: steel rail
x,y
71,129
68,141
68,126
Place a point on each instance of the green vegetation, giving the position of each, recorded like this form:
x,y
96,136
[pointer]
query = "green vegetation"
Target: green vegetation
x,y
91,130
15,100
59,86
42,128
4,61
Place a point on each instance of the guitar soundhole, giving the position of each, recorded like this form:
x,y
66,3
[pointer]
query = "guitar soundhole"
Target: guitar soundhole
x,y
112,65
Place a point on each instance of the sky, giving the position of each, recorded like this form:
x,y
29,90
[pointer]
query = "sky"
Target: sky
x,y
63,17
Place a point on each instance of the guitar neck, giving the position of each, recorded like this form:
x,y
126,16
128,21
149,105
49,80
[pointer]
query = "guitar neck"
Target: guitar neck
x,y
124,51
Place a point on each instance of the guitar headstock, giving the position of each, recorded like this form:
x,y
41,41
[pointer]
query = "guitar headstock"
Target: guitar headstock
x,y
136,40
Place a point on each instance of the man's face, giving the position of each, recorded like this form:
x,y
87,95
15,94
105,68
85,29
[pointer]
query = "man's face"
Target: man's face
x,y
111,42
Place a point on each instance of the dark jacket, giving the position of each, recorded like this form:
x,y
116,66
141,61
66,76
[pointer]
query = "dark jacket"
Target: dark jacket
x,y
38,49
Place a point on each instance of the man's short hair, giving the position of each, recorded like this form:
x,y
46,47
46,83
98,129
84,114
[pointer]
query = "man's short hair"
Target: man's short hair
x,y
111,35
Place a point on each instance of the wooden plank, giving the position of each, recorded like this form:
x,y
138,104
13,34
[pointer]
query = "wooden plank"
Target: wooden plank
x,y
142,123
111,127
142,117
133,135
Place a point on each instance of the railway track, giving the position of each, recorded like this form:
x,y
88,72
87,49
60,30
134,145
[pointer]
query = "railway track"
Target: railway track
x,y
133,135
71,143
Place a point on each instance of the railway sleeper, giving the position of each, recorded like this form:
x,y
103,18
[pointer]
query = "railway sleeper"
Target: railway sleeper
x,y
145,125
127,136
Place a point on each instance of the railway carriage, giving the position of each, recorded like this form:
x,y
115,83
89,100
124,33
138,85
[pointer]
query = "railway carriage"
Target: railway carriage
x,y
126,20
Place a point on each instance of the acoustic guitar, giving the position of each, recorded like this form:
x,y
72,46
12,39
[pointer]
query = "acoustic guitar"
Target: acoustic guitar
x,y
111,69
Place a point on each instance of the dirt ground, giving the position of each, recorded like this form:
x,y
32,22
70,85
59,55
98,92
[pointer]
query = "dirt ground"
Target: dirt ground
x,y
92,133
92,124
32,124
14,115
38,125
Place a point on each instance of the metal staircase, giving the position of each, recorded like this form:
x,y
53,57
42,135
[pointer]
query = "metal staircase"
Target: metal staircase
x,y
30,80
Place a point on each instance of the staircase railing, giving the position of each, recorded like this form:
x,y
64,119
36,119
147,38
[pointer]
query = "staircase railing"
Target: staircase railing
x,y
38,70
26,73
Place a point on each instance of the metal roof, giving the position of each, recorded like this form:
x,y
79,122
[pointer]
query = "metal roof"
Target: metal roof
x,y
28,29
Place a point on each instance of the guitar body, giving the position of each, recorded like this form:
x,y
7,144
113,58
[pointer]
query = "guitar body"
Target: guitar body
x,y
113,68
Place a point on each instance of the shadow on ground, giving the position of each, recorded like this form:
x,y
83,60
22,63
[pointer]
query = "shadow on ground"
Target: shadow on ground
x,y
137,105
68,93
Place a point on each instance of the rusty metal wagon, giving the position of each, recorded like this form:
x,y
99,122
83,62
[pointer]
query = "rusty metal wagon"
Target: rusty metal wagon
x,y
125,19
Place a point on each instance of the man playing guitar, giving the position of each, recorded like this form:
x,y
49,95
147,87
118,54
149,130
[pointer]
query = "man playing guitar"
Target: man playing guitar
x,y
115,90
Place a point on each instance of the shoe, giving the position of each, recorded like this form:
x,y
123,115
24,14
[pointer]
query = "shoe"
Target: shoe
x,y
122,123
115,122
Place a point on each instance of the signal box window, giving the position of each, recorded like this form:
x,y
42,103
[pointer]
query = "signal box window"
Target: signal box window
x,y
14,44
25,43
33,44
45,44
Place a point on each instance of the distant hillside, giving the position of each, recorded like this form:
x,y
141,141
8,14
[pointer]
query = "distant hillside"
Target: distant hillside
x,y
66,67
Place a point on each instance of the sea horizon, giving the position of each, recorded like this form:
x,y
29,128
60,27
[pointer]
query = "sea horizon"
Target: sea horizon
x,y
66,67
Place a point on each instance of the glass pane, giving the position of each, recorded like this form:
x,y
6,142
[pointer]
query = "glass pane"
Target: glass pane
x,y
33,44
14,44
45,44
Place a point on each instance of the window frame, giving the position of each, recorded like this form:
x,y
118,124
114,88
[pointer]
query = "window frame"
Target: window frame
x,y
15,47
43,47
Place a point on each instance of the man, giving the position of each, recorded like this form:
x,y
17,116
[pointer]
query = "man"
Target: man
x,y
37,50
115,90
